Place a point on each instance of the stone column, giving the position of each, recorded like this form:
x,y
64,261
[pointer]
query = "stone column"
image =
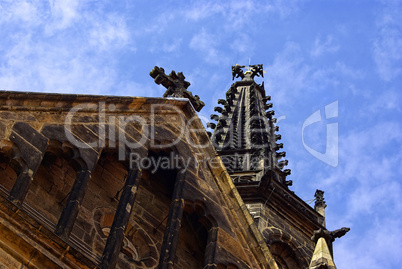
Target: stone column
x,y
171,236
32,146
121,218
210,249
73,204
21,187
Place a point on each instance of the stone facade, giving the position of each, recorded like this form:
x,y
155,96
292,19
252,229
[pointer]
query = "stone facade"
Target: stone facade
x,y
71,197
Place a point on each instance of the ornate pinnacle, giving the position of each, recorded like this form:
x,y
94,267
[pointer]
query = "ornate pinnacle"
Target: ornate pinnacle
x,y
176,86
320,205
319,199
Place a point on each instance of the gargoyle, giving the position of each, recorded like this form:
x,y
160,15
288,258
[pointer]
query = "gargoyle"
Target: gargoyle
x,y
338,233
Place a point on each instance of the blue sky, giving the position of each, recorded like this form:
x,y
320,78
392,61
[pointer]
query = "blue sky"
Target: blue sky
x,y
314,53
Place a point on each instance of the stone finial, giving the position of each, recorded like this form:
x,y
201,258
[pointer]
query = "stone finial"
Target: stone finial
x,y
176,86
253,70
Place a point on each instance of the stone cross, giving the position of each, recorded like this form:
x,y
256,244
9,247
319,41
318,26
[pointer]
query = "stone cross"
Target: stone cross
x,y
176,86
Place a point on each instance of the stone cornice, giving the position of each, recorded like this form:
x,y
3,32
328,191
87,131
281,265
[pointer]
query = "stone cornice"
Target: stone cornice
x,y
12,100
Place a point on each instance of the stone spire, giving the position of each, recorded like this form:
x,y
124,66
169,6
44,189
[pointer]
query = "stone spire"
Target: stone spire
x,y
245,132
322,258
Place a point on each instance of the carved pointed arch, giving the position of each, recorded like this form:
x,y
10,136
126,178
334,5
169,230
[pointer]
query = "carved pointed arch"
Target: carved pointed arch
x,y
285,249
52,183
58,149
11,165
202,211
58,132
11,151
27,147
138,249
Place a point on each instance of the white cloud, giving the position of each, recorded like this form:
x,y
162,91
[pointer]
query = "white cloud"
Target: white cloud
x,y
389,100
288,75
63,15
376,188
338,76
242,43
110,32
172,46
387,46
53,54
286,8
239,14
206,43
202,10
158,24
364,193
39,67
376,248
24,12
327,46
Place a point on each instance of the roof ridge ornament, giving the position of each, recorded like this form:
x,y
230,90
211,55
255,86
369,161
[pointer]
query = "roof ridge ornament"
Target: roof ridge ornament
x,y
253,70
176,86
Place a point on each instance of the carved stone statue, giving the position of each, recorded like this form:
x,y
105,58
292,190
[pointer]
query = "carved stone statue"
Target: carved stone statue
x,y
237,71
176,86
257,70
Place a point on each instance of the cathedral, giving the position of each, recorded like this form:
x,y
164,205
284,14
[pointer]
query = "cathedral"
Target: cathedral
x,y
92,181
